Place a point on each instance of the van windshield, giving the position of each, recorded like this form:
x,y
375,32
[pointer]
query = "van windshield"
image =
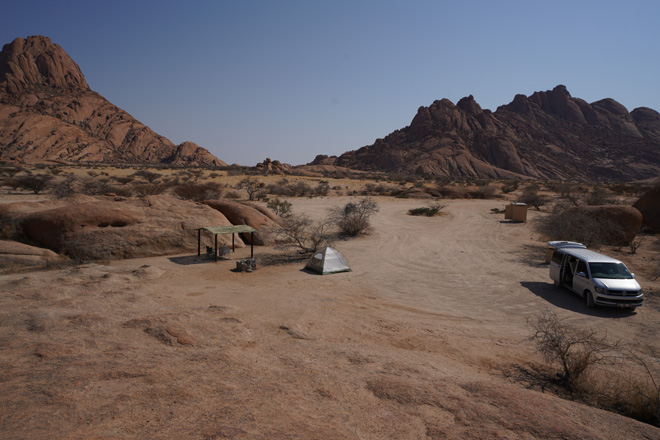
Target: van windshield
x,y
616,271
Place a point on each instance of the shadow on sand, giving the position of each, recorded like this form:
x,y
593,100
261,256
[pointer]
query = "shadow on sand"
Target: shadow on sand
x,y
187,260
565,299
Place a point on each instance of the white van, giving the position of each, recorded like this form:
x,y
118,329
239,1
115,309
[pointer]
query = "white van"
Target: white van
x,y
599,279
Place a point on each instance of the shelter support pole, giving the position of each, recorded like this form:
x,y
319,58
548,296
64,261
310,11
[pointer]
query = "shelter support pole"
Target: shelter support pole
x,y
251,244
215,255
199,241
232,242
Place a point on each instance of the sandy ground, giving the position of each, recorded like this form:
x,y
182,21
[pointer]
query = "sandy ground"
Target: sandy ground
x,y
412,344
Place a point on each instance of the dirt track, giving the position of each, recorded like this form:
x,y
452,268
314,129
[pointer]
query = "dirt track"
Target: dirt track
x,y
409,345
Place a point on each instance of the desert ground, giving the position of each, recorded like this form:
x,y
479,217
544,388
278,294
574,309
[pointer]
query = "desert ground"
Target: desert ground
x,y
416,342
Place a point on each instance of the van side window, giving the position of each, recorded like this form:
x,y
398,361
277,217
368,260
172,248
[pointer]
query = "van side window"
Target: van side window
x,y
557,257
582,267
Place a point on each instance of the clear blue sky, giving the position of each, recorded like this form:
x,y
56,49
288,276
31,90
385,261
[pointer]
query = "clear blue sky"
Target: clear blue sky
x,y
292,79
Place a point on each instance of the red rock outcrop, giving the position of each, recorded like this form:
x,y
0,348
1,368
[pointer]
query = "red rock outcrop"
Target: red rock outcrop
x,y
273,167
244,214
548,135
649,205
15,255
618,224
49,113
111,228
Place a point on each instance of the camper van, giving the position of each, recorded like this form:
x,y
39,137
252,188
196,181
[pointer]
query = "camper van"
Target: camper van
x,y
599,279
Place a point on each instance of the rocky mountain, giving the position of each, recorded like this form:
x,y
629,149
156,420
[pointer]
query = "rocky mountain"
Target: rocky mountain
x,y
49,113
548,135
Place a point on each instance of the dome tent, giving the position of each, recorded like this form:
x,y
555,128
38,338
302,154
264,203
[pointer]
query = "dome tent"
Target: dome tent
x,y
327,260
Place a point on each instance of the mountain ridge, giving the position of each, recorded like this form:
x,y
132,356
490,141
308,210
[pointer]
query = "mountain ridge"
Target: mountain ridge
x,y
547,135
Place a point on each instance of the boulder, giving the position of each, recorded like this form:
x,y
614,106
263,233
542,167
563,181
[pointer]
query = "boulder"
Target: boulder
x,y
15,256
245,214
616,224
649,205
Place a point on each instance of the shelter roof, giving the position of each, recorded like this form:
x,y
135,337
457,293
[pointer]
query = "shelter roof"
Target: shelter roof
x,y
229,229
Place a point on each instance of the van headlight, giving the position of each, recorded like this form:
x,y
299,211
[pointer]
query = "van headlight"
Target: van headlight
x,y
600,289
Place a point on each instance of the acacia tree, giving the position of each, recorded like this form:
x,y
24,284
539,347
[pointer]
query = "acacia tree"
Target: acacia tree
x,y
281,208
251,186
35,183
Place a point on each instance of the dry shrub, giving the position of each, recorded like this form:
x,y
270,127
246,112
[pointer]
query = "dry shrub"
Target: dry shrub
x,y
573,350
293,189
354,218
655,272
300,232
627,389
482,192
82,248
281,208
122,191
147,175
453,192
64,188
198,191
91,186
530,196
510,187
234,195
381,189
10,229
10,171
599,196
428,211
597,371
149,189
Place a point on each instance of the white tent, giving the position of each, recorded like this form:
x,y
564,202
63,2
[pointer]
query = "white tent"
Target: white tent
x,y
327,260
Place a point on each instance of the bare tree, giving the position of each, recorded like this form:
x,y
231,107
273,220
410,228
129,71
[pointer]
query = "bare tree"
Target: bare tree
x,y
300,232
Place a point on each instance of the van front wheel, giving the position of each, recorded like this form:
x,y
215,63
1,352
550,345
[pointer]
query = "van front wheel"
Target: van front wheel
x,y
589,298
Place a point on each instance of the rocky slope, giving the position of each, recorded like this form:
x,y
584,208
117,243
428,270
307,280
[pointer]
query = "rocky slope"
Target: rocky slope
x,y
49,113
548,135
105,227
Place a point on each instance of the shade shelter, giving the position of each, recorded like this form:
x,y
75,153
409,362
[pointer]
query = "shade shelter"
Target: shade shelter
x,y
215,230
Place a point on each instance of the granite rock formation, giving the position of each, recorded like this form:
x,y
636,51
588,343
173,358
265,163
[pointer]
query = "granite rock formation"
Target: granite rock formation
x,y
49,113
649,205
548,135
102,227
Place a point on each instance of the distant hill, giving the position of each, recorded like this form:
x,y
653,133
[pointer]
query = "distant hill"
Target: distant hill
x,y
548,135
49,113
